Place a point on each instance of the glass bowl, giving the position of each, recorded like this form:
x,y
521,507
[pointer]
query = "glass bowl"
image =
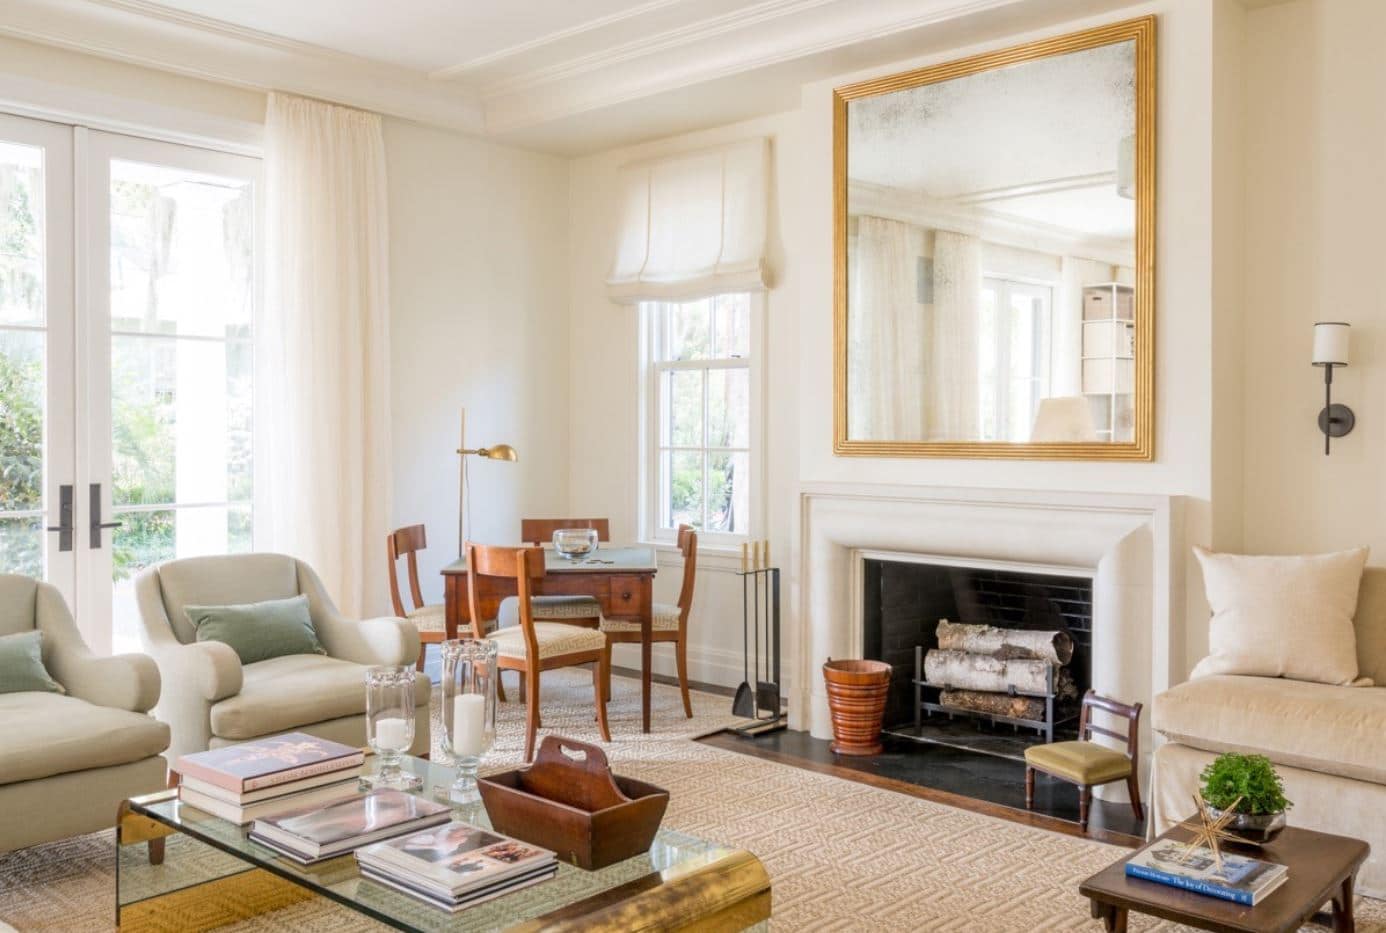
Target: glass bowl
x,y
575,543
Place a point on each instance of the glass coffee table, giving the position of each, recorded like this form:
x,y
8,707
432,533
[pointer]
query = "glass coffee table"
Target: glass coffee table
x,y
196,871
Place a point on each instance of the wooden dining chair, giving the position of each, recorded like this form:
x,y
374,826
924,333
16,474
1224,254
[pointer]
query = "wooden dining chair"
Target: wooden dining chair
x,y
429,620
573,610
530,647
1088,764
668,621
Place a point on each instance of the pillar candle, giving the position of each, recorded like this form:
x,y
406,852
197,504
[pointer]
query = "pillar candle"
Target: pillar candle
x,y
469,724
392,734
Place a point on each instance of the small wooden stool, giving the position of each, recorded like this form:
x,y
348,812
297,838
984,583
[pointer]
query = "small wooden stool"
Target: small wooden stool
x,y
1087,763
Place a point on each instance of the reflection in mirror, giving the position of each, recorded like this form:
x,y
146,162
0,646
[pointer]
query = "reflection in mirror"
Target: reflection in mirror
x,y
991,255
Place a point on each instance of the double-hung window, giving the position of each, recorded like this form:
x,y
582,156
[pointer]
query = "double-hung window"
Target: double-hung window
x,y
701,400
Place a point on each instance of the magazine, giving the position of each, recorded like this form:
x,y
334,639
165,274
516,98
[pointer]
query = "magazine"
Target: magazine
x,y
318,832
279,759
1240,879
467,900
455,858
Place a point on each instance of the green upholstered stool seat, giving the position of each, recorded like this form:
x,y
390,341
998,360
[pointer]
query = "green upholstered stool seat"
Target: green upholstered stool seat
x,y
1084,763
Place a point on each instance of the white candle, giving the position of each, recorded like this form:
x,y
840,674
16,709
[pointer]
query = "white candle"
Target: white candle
x,y
469,724
392,734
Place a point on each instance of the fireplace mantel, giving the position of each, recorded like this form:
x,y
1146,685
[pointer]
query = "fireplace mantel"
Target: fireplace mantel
x,y
1127,542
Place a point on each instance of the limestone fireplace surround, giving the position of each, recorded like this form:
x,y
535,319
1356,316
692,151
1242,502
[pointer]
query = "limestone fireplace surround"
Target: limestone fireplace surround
x,y
1127,543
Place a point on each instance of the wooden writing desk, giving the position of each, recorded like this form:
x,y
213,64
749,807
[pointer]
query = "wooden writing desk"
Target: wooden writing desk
x,y
620,578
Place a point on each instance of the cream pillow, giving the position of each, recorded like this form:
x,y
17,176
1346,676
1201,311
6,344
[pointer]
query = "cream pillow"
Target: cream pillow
x,y
1282,616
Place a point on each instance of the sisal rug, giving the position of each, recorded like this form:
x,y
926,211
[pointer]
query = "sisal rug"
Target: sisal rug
x,y
841,855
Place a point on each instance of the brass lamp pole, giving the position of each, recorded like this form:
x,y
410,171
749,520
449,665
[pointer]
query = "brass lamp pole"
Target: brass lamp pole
x,y
495,452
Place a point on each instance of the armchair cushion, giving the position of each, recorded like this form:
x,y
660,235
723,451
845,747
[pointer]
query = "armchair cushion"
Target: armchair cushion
x,y
21,664
47,734
285,693
259,631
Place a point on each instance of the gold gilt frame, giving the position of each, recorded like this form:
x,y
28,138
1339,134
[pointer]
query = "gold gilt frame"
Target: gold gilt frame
x,y
1142,447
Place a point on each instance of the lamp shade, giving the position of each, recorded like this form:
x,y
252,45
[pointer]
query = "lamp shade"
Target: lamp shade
x,y
499,452
1065,419
1331,343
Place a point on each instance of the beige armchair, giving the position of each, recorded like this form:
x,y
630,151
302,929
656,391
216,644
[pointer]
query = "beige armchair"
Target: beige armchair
x,y
210,699
68,760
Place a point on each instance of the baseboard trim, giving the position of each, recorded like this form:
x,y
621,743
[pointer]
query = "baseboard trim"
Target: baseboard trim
x,y
668,680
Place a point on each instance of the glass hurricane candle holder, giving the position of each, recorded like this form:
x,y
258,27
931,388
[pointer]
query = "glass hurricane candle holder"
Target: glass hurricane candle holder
x,y
469,710
390,725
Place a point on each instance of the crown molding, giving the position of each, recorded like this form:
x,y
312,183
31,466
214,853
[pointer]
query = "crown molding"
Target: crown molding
x,y
706,51
151,36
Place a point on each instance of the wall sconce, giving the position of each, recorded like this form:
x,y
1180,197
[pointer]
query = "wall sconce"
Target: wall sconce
x,y
1331,349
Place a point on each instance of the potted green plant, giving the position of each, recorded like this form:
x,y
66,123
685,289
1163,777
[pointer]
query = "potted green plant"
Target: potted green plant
x,y
1250,786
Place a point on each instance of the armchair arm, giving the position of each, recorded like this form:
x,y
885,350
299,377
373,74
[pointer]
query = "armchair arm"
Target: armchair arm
x,y
126,681
385,640
210,670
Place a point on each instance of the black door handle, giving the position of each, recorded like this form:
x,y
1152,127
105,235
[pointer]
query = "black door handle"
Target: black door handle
x,y
96,523
64,526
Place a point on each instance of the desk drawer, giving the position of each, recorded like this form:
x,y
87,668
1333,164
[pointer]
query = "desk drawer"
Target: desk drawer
x,y
628,597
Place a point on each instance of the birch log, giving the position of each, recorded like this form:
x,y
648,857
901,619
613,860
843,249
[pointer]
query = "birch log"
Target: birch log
x,y
961,670
1054,647
997,704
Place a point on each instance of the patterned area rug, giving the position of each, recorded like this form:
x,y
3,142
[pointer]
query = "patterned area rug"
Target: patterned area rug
x,y
842,855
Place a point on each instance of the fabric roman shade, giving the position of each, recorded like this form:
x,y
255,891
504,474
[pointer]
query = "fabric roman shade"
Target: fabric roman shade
x,y
692,225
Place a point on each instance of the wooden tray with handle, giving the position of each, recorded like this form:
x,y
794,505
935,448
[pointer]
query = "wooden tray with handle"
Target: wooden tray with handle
x,y
570,802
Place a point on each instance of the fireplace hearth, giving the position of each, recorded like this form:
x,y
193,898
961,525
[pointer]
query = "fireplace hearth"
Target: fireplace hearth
x,y
1010,637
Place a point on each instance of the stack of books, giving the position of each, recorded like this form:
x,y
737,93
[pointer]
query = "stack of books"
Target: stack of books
x,y
323,831
1240,879
244,782
456,865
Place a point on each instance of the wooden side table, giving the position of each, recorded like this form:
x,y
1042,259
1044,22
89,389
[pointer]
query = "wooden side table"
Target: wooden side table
x,y
1322,870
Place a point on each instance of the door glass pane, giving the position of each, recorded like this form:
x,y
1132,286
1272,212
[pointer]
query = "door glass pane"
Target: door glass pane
x,y
22,367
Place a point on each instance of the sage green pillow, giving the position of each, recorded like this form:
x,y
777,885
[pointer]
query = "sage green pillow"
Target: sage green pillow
x,y
21,664
259,631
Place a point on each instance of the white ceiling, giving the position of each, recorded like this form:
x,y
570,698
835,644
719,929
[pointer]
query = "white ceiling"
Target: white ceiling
x,y
560,75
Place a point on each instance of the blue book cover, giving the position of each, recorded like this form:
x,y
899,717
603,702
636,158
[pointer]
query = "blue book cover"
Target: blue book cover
x,y
1239,879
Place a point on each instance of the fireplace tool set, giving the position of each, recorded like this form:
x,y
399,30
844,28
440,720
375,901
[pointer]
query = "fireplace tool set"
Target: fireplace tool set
x,y
758,697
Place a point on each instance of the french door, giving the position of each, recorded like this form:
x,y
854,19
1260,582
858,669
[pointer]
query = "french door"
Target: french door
x,y
148,306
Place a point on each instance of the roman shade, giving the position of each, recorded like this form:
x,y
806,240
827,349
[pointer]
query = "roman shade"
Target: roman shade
x,y
692,225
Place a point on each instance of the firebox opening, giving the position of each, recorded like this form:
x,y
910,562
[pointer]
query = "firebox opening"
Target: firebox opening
x,y
903,603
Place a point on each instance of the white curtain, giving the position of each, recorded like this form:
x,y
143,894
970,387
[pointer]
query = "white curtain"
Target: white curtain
x,y
954,344
692,225
323,348
887,390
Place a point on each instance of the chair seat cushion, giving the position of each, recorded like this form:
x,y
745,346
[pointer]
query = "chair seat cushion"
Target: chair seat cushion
x,y
554,639
664,617
429,618
297,690
1079,762
549,609
1317,727
46,734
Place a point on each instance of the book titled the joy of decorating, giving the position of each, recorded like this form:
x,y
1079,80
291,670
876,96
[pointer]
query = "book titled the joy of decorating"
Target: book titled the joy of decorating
x,y
1239,879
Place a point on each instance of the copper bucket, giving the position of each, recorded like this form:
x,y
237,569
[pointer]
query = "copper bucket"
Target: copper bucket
x,y
857,700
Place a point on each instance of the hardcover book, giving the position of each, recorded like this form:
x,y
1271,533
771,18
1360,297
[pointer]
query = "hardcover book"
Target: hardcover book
x,y
1240,879
455,858
269,762
317,832
244,813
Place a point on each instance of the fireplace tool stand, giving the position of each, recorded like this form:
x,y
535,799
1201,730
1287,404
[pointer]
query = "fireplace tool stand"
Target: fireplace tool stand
x,y
760,590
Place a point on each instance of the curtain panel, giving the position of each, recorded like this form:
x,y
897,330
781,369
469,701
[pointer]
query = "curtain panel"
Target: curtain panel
x,y
693,225
323,348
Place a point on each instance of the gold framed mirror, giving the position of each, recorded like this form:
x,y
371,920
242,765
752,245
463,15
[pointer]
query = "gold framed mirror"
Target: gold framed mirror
x,y
994,250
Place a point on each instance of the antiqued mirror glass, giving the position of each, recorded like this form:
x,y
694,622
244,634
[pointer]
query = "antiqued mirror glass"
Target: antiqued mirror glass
x,y
994,225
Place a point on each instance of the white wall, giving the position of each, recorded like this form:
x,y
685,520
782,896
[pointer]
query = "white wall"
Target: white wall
x,y
603,407
1316,196
479,312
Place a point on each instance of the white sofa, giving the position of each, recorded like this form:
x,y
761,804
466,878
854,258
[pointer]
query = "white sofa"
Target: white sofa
x,y
1328,742
68,760
210,699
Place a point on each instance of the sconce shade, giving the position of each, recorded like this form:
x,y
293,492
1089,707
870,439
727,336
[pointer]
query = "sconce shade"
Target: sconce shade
x,y
1331,343
1064,419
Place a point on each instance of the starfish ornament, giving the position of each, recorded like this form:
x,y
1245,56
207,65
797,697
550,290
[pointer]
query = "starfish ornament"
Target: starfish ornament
x,y
1208,830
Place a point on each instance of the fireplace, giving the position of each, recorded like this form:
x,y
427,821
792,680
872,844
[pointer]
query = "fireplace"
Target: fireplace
x,y
903,602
